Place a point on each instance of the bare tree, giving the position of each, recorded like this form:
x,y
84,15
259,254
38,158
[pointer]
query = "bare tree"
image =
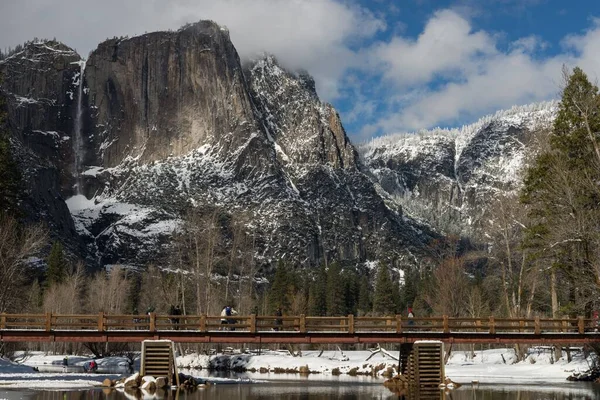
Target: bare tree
x,y
449,290
107,291
17,244
505,230
66,297
201,240
159,289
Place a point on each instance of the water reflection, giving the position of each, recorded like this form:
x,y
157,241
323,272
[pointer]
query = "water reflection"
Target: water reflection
x,y
321,391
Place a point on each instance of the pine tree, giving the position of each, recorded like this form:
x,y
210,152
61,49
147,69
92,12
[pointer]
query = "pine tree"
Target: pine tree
x,y
352,291
317,298
562,191
384,300
408,294
365,305
280,289
336,295
35,298
57,265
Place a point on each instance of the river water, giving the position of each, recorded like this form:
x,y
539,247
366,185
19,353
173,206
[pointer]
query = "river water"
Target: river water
x,y
303,390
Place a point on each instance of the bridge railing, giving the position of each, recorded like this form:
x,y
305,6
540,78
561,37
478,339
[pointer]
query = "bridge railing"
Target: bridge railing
x,y
301,323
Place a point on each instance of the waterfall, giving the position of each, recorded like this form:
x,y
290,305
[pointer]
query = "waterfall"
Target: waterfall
x,y
77,131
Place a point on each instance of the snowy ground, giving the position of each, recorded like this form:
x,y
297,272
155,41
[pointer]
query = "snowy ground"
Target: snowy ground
x,y
490,366
497,366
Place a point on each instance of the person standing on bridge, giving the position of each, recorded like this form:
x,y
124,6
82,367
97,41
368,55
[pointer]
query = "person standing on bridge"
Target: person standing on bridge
x,y
177,313
228,311
278,321
411,315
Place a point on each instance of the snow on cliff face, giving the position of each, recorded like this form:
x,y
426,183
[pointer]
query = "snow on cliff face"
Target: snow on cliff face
x,y
37,87
173,121
447,177
259,144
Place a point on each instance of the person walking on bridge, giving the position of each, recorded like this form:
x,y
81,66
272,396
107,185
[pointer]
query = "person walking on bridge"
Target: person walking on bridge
x,y
228,311
411,315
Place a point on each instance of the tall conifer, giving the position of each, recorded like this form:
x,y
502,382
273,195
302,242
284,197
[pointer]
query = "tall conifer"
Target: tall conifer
x,y
57,265
562,191
336,294
384,300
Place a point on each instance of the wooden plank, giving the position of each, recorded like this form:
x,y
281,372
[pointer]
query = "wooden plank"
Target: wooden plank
x,y
48,325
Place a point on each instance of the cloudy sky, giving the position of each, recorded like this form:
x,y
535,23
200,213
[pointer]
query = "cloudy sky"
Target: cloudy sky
x,y
387,65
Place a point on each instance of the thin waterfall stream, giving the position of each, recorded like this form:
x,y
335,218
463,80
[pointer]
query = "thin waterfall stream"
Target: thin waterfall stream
x,y
77,128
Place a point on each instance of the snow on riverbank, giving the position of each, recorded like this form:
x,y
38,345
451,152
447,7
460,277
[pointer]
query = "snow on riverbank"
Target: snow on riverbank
x,y
500,366
37,370
14,375
488,366
346,362
496,366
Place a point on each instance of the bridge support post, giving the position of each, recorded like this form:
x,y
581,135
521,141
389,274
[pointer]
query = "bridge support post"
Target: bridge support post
x,y
2,321
302,323
425,364
581,324
152,327
253,323
202,323
351,324
48,322
405,350
101,321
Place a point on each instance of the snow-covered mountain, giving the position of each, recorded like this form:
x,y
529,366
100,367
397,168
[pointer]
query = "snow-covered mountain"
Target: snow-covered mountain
x,y
151,126
117,148
449,177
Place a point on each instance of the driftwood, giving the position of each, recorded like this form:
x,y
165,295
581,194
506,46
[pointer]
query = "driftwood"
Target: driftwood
x,y
591,375
382,351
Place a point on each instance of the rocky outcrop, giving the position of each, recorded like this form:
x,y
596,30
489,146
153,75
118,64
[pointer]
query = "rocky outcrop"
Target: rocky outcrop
x,y
166,94
449,178
171,121
256,141
39,85
304,130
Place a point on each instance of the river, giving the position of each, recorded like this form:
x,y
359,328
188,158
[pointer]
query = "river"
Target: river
x,y
317,390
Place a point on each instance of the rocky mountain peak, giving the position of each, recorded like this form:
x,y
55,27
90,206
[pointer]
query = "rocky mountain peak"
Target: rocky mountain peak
x,y
162,124
39,85
166,94
305,130
448,177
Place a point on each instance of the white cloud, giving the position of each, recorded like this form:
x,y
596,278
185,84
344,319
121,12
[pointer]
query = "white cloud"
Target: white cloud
x,y
450,73
506,80
447,46
315,35
478,77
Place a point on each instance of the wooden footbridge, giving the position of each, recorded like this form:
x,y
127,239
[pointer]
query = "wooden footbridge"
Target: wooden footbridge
x,y
292,329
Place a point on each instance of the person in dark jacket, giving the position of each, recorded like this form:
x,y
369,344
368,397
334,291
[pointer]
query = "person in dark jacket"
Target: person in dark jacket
x,y
176,311
278,321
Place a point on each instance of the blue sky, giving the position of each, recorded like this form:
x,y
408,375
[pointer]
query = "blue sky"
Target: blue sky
x,y
388,66
551,32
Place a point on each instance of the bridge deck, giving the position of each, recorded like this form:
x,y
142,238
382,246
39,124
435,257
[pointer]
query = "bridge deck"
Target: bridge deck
x,y
292,329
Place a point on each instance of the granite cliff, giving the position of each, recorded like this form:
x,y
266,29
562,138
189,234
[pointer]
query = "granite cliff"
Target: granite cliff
x,y
151,126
